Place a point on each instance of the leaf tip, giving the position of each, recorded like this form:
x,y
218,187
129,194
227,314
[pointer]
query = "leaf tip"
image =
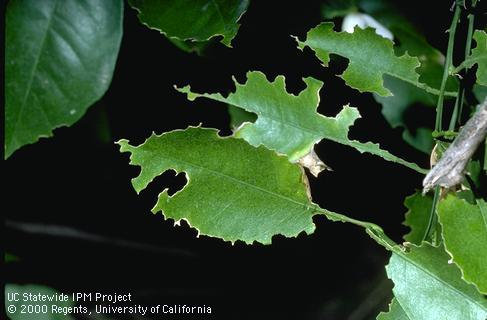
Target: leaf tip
x,y
124,145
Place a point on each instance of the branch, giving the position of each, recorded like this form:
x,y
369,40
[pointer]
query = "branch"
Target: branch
x,y
449,171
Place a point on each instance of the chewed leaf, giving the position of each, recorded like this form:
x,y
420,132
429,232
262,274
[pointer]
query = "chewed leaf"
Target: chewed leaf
x,y
234,191
197,20
465,234
479,56
370,58
417,217
396,312
290,124
428,287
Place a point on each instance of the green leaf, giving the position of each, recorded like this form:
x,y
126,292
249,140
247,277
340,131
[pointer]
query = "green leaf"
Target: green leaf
x,y
396,312
234,191
338,8
465,235
198,20
479,57
428,287
405,94
60,57
417,216
33,289
290,124
410,41
370,58
189,46
239,116
394,110
480,92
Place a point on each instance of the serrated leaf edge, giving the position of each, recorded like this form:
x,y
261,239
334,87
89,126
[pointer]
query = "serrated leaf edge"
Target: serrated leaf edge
x,y
126,147
421,85
452,256
402,251
226,40
191,96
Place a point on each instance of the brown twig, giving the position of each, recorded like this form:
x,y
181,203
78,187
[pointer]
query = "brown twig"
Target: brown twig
x,y
449,171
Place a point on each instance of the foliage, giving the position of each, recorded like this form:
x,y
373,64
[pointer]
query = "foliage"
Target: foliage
x,y
466,247
290,124
396,312
364,48
417,217
252,185
479,57
428,287
234,192
189,21
60,59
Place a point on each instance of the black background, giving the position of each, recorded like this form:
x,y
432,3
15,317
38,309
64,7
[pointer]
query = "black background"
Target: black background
x,y
78,179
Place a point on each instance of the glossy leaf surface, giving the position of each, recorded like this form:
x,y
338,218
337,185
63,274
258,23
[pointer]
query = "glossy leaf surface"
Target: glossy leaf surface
x,y
60,57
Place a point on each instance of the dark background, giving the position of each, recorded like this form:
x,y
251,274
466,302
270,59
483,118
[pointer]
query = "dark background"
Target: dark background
x,y
77,225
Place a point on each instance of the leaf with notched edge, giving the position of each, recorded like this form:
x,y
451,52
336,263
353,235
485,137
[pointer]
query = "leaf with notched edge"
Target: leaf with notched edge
x,y
290,124
370,58
464,228
396,312
428,287
417,217
479,56
198,20
234,191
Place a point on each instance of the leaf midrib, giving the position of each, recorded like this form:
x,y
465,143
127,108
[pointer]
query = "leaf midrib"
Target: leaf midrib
x,y
251,186
217,9
362,60
405,257
260,112
416,82
34,69
342,140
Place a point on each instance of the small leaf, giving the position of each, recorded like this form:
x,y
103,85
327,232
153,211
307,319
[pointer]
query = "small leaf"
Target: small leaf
x,y
479,57
428,287
234,191
60,57
465,235
290,124
198,20
370,58
417,217
396,312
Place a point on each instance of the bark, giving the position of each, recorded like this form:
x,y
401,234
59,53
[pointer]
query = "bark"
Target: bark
x,y
449,171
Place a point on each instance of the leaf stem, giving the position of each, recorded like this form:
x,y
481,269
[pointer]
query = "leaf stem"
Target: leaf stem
x,y
448,64
373,230
457,111
432,218
439,108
